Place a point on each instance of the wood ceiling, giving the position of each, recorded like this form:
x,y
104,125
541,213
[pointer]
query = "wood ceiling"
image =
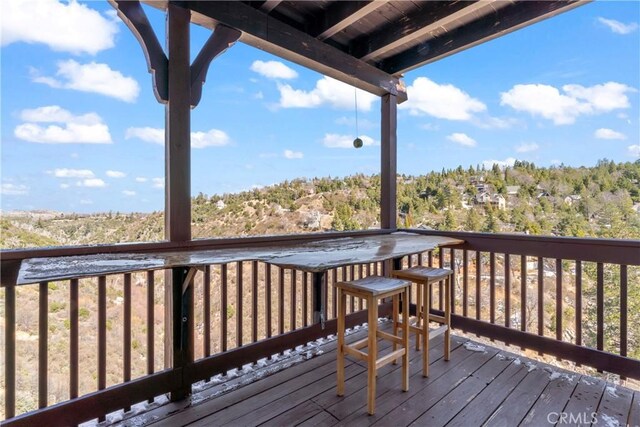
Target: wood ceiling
x,y
370,44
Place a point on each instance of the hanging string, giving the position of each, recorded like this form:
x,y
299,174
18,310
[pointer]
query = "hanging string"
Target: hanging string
x,y
356,142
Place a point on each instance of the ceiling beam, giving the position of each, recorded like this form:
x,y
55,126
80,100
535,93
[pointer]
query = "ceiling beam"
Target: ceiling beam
x,y
341,14
415,26
503,21
269,34
269,5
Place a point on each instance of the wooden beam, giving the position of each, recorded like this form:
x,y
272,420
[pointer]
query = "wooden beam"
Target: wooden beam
x,y
503,21
267,33
341,14
420,24
388,167
269,5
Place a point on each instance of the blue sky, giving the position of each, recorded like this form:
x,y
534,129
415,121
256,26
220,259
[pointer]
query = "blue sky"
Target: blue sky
x,y
82,131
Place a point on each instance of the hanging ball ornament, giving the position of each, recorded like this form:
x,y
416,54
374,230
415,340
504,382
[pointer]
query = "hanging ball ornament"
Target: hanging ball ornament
x,y
357,143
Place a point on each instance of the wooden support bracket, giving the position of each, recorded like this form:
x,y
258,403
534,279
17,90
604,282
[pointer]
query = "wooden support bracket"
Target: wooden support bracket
x,y
135,18
222,38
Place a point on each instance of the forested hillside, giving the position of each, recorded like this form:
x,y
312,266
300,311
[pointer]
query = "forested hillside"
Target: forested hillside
x,y
600,201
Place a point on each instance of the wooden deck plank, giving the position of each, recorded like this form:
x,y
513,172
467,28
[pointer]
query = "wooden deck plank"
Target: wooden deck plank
x,y
465,392
615,406
260,409
400,409
297,414
552,400
585,400
634,413
354,412
514,408
323,419
487,401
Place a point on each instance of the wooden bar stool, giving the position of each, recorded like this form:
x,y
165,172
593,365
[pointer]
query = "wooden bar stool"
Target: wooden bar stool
x,y
424,277
372,289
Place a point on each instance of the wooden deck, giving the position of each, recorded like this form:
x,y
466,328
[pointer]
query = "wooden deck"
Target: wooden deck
x,y
478,386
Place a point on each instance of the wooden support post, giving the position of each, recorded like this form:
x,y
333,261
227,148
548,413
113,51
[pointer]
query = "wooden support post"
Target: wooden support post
x,y
388,159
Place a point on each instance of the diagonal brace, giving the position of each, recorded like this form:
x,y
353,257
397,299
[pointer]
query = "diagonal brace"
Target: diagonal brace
x,y
222,38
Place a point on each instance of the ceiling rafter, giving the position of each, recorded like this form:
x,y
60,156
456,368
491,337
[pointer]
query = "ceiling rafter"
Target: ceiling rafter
x,y
269,5
503,21
341,14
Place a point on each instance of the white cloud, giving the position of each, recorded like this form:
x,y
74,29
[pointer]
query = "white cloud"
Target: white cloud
x,y
92,77
293,154
619,27
86,202
442,101
73,173
9,189
328,91
63,26
64,186
128,193
501,163
634,150
141,179
604,133
116,174
158,182
212,138
333,140
563,108
70,129
527,148
273,70
92,183
462,139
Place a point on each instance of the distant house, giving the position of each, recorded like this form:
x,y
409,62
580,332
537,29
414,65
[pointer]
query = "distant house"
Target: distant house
x,y
512,190
570,200
220,204
497,200
542,194
636,207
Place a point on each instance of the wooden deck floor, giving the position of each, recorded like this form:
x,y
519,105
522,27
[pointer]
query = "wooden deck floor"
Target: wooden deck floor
x,y
478,386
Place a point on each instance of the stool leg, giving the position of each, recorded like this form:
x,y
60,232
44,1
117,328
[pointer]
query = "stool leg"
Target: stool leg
x,y
405,340
394,315
447,318
372,355
425,330
342,312
418,312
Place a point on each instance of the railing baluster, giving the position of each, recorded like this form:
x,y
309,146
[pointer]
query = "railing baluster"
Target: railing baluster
x,y
559,299
239,316
600,306
73,338
305,299
254,301
206,311
578,302
360,276
10,350
453,281
267,299
492,287
465,282
281,301
102,332
334,295
352,299
430,258
523,293
478,283
150,322
623,309
43,338
126,333
223,307
540,296
292,300
507,290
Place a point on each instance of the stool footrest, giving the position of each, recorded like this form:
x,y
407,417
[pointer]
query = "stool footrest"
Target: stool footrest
x,y
385,360
390,337
360,344
436,318
355,353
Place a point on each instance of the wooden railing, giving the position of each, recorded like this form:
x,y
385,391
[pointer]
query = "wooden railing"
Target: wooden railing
x,y
242,312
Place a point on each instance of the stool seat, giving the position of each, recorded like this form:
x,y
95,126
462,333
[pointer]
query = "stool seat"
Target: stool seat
x,y
374,285
420,273
372,289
